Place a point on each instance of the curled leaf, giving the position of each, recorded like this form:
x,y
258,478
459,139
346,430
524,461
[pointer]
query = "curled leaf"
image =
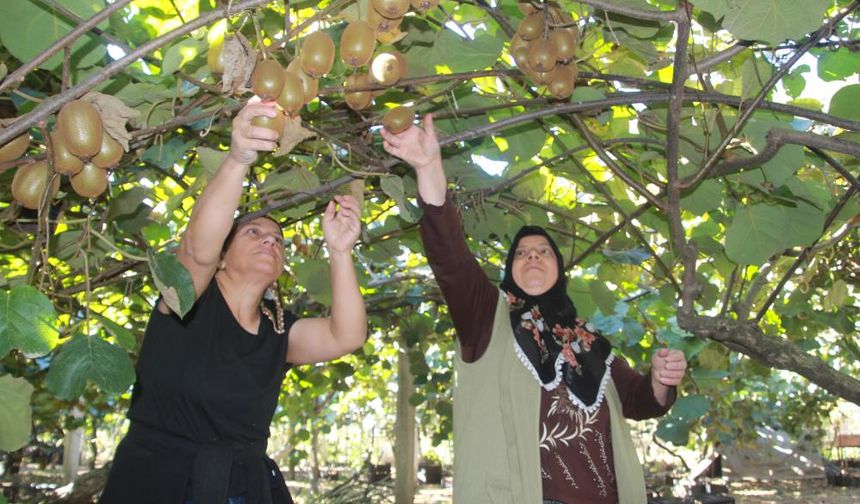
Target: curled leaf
x,y
115,116
239,59
294,134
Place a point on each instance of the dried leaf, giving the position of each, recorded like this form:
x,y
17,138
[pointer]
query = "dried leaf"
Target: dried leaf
x,y
294,134
239,60
115,116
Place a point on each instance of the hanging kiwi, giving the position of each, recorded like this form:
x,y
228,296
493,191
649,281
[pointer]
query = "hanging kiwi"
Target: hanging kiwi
x,y
65,162
357,43
542,55
398,119
532,26
81,126
29,183
562,83
267,79
109,154
382,24
310,85
392,9
292,96
357,100
565,44
215,56
422,6
91,181
519,50
13,149
387,68
275,124
317,54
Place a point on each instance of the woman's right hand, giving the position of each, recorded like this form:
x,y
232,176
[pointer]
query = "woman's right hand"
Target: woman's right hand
x,y
420,148
246,139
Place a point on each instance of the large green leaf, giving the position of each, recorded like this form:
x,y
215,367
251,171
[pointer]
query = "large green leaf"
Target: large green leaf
x,y
89,359
769,20
456,53
759,231
123,336
27,321
15,422
173,281
393,187
314,275
846,102
295,180
675,427
27,28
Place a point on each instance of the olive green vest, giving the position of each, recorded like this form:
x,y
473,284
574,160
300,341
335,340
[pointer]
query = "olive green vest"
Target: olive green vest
x,y
496,423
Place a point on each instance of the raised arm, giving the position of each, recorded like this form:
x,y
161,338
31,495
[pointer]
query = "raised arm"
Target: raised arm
x,y
470,295
200,246
324,339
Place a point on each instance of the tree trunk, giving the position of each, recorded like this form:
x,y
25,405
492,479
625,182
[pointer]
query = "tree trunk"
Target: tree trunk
x,y
315,460
73,445
404,434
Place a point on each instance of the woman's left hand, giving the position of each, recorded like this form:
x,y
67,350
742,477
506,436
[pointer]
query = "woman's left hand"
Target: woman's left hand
x,y
668,367
342,227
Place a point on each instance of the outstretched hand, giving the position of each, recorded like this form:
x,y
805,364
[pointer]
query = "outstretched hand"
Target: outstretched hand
x,y
668,367
417,146
341,227
246,139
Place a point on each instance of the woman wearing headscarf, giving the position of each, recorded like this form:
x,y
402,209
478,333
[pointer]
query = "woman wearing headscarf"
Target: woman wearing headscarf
x,y
208,383
540,398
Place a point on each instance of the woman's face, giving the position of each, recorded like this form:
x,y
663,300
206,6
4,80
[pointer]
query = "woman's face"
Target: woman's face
x,y
257,249
535,269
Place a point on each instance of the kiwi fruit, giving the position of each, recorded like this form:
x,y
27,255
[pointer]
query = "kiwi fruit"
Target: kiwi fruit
x,y
81,126
29,182
292,95
562,83
215,56
399,119
542,55
275,124
382,24
310,86
357,43
317,54
392,9
64,161
357,100
543,77
565,44
423,6
532,26
267,79
387,68
390,37
519,50
13,149
91,181
110,153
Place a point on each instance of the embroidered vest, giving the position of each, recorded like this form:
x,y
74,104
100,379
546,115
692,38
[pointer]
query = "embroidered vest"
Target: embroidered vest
x,y
496,428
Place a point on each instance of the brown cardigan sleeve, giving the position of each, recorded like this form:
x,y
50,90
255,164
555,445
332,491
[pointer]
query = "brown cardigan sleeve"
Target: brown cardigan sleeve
x,y
637,395
470,295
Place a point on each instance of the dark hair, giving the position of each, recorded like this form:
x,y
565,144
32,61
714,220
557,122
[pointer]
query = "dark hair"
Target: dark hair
x,y
240,221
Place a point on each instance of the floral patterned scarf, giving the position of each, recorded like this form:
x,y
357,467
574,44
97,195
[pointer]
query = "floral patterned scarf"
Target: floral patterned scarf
x,y
550,340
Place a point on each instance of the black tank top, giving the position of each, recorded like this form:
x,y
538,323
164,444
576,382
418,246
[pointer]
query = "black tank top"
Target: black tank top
x,y
205,395
206,378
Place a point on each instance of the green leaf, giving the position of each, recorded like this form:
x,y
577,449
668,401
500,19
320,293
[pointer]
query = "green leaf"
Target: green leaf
x,y
759,231
314,275
754,74
15,413
180,54
27,321
173,281
846,102
295,180
837,65
89,359
28,28
771,21
675,427
837,296
456,53
123,336
393,187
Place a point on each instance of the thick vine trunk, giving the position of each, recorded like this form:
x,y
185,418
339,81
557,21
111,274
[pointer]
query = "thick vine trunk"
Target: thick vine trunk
x,y
405,481
748,339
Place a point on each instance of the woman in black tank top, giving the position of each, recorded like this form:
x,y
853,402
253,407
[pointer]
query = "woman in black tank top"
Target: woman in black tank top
x,y
208,383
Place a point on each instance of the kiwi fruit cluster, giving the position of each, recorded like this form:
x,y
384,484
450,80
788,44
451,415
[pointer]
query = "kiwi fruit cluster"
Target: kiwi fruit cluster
x,y
544,47
80,148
